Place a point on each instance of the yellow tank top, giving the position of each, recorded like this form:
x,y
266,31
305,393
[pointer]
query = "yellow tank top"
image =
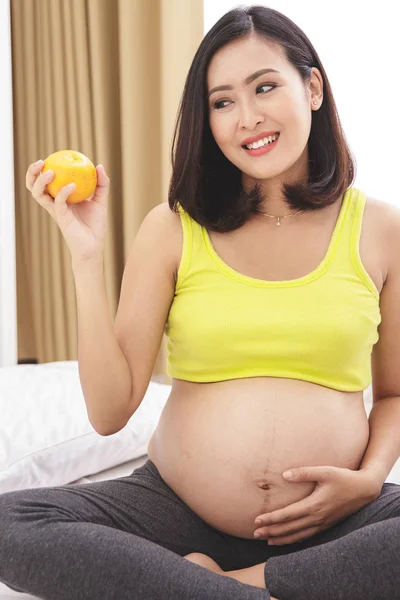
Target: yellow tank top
x,y
319,328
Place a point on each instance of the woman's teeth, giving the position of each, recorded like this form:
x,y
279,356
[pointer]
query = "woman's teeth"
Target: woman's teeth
x,y
263,142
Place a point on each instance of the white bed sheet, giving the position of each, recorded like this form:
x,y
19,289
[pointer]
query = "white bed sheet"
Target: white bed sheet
x,y
119,471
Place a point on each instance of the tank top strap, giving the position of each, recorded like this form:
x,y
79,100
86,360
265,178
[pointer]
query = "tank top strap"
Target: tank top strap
x,y
193,248
342,251
346,258
187,246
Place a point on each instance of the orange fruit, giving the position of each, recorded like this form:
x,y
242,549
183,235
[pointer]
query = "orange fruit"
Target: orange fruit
x,y
70,166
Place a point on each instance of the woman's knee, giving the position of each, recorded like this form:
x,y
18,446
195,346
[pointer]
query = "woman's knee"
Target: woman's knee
x,y
9,503
9,525
23,507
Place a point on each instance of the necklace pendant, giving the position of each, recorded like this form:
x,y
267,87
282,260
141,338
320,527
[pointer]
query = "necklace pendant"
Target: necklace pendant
x,y
278,222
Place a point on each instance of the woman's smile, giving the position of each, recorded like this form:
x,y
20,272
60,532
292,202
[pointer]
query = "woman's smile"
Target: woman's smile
x,y
263,149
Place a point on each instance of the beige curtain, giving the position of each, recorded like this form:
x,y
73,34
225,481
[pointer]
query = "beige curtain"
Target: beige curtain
x,y
103,77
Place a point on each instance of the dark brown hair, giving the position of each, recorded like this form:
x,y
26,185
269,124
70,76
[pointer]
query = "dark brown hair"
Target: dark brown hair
x,y
204,182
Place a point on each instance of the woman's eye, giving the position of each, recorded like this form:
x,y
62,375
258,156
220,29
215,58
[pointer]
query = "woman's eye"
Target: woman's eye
x,y
271,85
217,105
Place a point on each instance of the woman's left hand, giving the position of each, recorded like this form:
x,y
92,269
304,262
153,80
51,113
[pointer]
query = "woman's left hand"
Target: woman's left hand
x,y
339,492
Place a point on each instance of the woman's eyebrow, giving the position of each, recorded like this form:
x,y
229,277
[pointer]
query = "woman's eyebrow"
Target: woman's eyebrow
x,y
248,80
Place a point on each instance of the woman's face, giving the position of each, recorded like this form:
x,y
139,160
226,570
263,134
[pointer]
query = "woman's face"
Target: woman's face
x,y
271,102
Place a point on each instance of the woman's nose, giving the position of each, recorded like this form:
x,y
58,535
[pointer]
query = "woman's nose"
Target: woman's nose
x,y
249,118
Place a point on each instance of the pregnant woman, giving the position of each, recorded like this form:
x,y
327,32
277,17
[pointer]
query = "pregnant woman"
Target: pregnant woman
x,y
278,285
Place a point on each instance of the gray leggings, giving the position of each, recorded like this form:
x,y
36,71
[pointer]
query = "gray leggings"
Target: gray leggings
x,y
124,539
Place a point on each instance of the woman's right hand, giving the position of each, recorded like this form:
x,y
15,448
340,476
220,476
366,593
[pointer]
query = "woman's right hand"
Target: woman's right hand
x,y
84,224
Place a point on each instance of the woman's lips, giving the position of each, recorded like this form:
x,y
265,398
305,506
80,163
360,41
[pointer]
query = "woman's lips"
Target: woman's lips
x,y
263,150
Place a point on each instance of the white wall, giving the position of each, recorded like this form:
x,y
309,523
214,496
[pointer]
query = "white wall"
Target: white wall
x,y
358,47
8,294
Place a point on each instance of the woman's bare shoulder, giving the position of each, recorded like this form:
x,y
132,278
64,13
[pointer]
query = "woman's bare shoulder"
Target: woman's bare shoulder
x,y
384,217
173,231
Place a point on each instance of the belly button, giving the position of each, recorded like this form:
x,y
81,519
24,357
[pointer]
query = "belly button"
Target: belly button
x,y
264,486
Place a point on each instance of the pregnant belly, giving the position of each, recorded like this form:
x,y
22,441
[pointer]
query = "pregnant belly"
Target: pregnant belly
x,y
222,447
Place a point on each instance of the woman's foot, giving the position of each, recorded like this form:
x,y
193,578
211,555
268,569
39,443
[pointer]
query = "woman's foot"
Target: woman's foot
x,y
251,575
204,561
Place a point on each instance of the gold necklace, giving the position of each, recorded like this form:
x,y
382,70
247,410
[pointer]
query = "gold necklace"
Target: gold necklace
x,y
278,218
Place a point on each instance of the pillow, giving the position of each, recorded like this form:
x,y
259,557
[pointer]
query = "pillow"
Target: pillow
x,y
46,438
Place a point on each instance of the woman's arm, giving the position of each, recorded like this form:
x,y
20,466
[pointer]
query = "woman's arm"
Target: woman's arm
x,y
383,448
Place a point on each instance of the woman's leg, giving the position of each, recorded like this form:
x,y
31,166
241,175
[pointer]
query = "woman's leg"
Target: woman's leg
x,y
357,559
251,575
122,539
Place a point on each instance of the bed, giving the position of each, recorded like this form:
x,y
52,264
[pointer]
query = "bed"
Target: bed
x,y
46,438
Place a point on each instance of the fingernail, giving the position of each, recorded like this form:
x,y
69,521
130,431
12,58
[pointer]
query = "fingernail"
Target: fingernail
x,y
38,163
257,535
71,186
258,522
49,172
271,543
